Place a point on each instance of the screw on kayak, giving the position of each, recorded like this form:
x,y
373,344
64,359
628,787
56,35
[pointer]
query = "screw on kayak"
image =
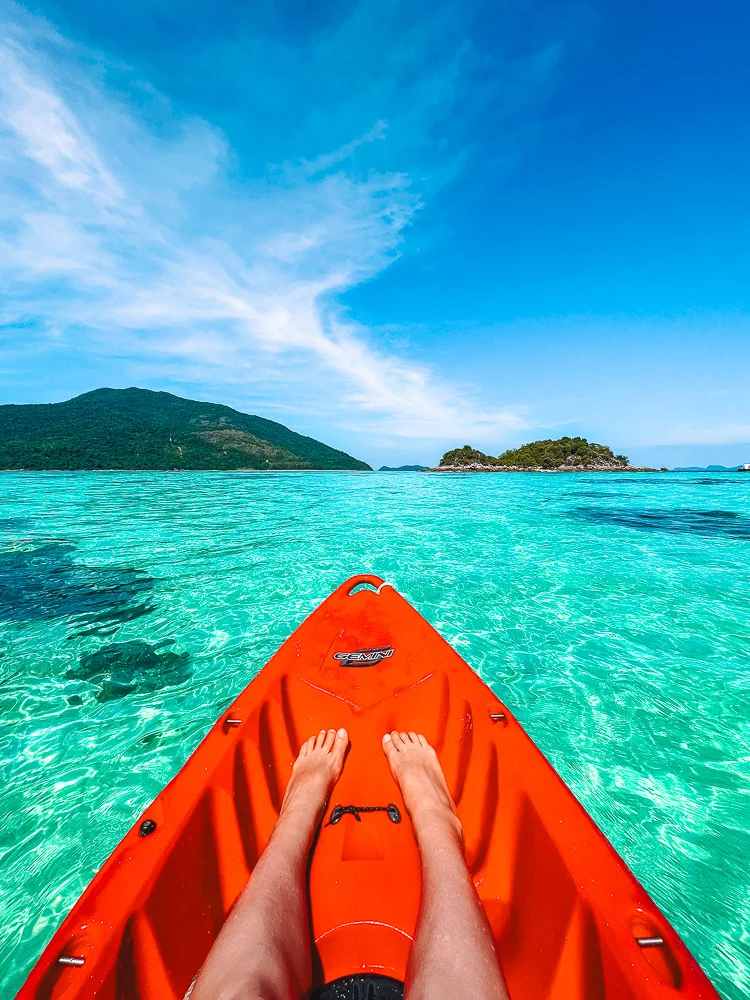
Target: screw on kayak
x,y
498,716
147,826
232,722
70,960
393,814
650,942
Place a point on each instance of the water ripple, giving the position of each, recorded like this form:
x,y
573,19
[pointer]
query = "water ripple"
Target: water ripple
x,y
611,613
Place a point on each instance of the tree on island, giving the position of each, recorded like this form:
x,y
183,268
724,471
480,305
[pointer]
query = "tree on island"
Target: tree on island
x,y
467,456
565,452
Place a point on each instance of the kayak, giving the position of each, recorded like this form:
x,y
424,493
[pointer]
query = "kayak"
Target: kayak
x,y
570,920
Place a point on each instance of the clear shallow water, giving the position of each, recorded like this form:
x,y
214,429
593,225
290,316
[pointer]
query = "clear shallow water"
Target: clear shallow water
x,y
612,613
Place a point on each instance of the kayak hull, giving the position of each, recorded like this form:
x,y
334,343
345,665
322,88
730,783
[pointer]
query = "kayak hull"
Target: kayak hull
x,y
569,918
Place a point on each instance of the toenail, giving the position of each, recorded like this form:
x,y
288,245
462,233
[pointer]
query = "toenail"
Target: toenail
x,y
387,738
341,734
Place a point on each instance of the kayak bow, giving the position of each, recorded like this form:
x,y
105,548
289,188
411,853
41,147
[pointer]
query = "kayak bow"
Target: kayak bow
x,y
570,920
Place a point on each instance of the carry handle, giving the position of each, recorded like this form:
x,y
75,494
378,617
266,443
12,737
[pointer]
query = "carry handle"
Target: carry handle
x,y
363,581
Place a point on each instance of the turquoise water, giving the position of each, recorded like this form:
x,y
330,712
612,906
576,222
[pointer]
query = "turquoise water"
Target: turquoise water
x,y
612,613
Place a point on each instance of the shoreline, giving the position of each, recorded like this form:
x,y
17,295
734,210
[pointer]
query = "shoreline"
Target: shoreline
x,y
561,468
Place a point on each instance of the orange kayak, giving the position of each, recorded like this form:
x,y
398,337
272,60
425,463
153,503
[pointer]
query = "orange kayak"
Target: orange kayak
x,y
570,920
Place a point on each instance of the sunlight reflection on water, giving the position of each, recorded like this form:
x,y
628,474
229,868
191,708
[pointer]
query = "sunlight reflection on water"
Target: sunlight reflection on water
x,y
611,613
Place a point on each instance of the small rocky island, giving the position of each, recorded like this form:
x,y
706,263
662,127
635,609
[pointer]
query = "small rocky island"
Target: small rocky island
x,y
566,454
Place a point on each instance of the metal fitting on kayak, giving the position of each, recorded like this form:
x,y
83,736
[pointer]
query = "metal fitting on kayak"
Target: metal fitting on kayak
x,y
232,722
147,827
498,716
75,960
650,942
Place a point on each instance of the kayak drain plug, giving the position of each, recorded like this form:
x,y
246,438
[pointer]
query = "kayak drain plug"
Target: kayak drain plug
x,y
71,960
147,826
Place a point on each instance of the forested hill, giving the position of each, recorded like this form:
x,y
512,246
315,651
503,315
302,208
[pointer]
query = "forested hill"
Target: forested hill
x,y
141,429
563,453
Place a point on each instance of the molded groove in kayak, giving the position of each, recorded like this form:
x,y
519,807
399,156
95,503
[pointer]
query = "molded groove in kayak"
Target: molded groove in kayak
x,y
230,851
578,973
465,744
483,807
153,978
243,805
264,813
537,913
293,737
188,882
269,738
444,708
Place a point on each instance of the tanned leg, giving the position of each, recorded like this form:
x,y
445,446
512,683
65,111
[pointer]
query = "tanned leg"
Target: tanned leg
x,y
263,950
453,955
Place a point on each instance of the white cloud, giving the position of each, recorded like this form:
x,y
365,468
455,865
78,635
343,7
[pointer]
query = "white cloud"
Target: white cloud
x,y
328,160
49,134
140,244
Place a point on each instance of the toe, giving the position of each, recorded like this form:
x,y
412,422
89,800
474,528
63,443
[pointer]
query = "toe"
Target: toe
x,y
389,745
405,738
414,738
303,750
423,741
340,743
320,739
397,741
328,742
311,744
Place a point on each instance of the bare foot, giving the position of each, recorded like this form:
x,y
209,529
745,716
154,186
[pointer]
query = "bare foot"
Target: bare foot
x,y
416,768
314,773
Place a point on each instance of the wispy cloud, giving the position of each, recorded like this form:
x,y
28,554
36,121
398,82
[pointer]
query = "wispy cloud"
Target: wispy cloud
x,y
138,242
328,160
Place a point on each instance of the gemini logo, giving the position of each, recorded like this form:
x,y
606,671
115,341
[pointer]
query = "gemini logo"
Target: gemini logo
x,y
364,657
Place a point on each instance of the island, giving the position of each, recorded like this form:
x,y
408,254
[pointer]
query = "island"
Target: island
x,y
711,468
403,468
138,429
565,454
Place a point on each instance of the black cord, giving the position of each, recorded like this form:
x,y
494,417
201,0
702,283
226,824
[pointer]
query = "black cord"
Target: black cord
x,y
337,812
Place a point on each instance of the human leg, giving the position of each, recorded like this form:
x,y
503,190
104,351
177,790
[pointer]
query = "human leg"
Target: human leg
x,y
263,949
453,954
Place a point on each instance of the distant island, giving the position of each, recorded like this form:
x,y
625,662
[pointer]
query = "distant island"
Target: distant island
x,y
565,454
708,468
139,429
403,468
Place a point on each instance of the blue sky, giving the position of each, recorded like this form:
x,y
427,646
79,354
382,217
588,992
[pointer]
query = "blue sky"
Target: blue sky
x,y
396,226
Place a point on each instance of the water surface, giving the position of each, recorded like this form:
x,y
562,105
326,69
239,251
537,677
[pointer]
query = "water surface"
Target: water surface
x,y
612,613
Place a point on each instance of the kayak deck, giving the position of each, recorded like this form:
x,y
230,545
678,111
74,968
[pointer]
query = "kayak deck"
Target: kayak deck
x,y
569,918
